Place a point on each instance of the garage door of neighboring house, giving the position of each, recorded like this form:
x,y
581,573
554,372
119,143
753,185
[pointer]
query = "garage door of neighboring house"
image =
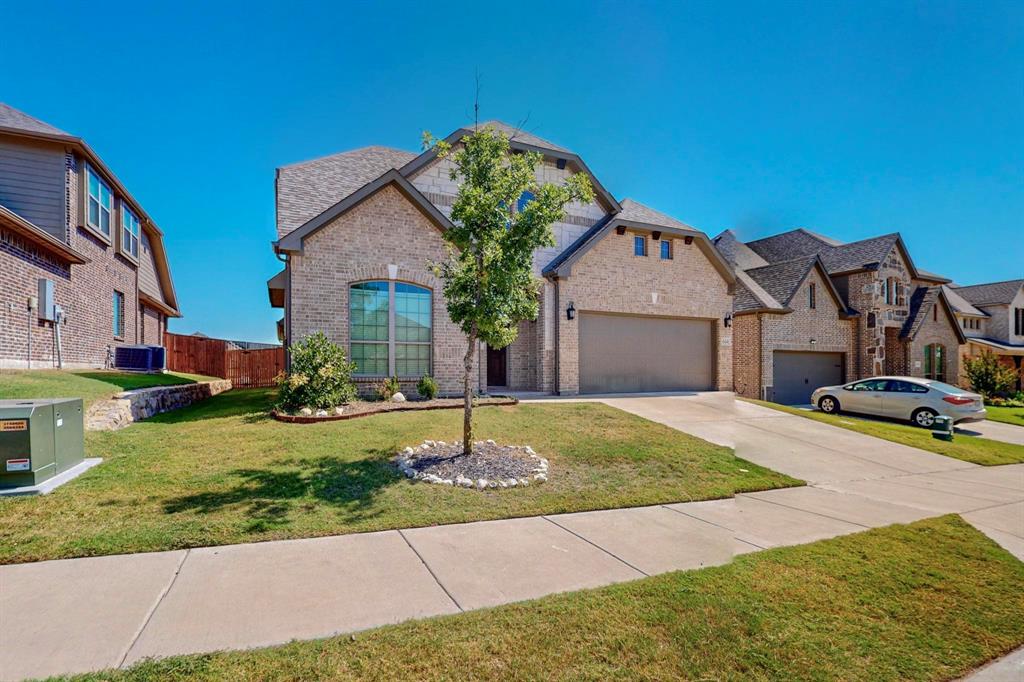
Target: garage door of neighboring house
x,y
636,353
796,375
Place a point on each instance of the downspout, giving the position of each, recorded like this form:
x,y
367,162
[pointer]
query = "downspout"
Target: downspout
x,y
557,383
287,306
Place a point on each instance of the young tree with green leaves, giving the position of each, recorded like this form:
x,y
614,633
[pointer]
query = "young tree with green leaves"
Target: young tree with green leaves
x,y
488,278
987,376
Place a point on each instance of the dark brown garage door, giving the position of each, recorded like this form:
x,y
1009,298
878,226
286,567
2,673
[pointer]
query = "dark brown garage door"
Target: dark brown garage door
x,y
635,353
796,375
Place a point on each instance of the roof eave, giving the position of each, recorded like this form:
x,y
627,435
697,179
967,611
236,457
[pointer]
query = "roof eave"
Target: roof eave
x,y
569,157
293,241
41,237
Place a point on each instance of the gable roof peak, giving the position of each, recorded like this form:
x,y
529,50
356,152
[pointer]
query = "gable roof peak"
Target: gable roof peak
x,y
520,134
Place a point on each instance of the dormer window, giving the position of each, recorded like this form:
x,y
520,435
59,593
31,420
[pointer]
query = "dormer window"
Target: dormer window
x,y
129,232
100,203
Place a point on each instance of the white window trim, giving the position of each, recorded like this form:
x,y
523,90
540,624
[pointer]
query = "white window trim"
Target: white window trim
x,y
89,170
136,239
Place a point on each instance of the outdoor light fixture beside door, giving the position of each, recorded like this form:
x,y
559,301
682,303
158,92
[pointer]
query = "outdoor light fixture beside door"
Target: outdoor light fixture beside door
x,y
570,312
728,320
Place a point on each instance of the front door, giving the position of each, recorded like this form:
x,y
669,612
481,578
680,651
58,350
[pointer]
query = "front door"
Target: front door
x,y
497,366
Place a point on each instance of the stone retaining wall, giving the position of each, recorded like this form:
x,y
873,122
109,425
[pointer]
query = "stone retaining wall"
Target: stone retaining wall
x,y
131,406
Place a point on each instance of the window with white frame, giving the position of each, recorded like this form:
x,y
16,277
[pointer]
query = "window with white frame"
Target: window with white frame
x,y
100,203
129,231
390,328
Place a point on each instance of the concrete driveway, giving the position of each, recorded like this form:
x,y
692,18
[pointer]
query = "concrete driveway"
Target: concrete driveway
x,y
802,448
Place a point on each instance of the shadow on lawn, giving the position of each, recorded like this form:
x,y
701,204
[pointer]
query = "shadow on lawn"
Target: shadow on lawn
x,y
270,495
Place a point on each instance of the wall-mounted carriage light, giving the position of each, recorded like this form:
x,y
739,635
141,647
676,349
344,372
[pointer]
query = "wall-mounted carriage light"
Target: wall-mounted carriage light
x,y
570,312
728,320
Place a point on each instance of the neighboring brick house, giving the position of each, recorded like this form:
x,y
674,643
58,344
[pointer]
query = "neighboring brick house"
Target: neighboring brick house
x,y
992,317
813,311
631,299
65,218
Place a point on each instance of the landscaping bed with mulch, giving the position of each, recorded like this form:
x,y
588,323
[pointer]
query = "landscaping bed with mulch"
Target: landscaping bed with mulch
x,y
365,408
489,465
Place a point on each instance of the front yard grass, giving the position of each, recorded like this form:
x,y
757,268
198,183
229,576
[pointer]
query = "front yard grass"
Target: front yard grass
x,y
1007,415
928,601
222,472
90,385
967,448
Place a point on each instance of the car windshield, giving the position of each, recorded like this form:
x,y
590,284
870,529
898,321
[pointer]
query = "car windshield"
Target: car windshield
x,y
948,388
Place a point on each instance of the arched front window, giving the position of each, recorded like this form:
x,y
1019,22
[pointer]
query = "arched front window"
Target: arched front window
x,y
390,325
935,362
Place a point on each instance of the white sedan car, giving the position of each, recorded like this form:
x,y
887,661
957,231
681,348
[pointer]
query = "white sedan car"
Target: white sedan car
x,y
918,401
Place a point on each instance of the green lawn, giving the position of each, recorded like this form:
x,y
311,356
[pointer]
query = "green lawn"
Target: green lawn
x,y
88,385
222,472
968,448
1007,415
928,601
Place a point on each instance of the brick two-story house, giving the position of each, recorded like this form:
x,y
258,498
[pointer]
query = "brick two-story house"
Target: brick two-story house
x,y
992,317
631,299
813,311
66,220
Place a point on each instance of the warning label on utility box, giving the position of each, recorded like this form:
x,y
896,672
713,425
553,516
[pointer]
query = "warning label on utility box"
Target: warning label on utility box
x,y
13,424
19,464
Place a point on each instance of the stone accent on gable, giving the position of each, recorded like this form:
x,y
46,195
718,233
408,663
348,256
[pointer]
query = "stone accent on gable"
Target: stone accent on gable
x,y
609,278
384,230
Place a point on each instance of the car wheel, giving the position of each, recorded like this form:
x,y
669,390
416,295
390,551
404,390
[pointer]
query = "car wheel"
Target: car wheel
x,y
829,405
925,418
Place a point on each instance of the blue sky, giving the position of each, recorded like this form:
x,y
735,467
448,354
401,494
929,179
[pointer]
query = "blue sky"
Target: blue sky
x,y
849,118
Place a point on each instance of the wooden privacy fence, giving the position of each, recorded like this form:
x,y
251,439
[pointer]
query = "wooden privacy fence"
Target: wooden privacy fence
x,y
214,357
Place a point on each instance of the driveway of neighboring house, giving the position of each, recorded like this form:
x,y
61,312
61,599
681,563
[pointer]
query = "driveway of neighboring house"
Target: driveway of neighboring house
x,y
1008,433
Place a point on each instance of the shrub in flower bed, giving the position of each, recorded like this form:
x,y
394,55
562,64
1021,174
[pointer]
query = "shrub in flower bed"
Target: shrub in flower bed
x,y
320,376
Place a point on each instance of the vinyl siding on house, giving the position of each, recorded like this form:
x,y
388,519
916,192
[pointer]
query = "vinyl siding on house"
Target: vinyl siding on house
x,y
32,183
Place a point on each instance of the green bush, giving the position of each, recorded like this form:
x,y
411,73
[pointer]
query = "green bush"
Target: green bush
x,y
988,377
387,387
320,376
427,387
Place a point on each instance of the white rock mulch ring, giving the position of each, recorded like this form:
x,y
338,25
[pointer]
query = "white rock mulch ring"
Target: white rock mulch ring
x,y
490,466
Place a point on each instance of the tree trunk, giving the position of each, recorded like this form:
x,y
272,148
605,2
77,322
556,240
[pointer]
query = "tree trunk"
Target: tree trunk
x,y
467,387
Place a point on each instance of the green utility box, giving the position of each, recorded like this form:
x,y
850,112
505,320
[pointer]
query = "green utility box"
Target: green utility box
x,y
39,439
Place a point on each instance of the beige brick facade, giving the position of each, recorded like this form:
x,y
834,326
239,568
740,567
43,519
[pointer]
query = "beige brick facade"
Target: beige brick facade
x,y
819,329
609,278
383,238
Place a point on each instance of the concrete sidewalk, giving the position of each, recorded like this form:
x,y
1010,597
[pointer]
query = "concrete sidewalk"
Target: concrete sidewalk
x,y
86,614
79,615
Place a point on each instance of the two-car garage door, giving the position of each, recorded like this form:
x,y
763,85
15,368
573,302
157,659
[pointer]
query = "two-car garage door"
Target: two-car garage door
x,y
637,353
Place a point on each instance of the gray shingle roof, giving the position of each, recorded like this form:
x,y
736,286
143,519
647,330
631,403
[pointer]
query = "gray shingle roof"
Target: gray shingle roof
x,y
18,120
782,279
307,189
921,301
841,258
961,304
736,252
637,212
992,293
523,136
